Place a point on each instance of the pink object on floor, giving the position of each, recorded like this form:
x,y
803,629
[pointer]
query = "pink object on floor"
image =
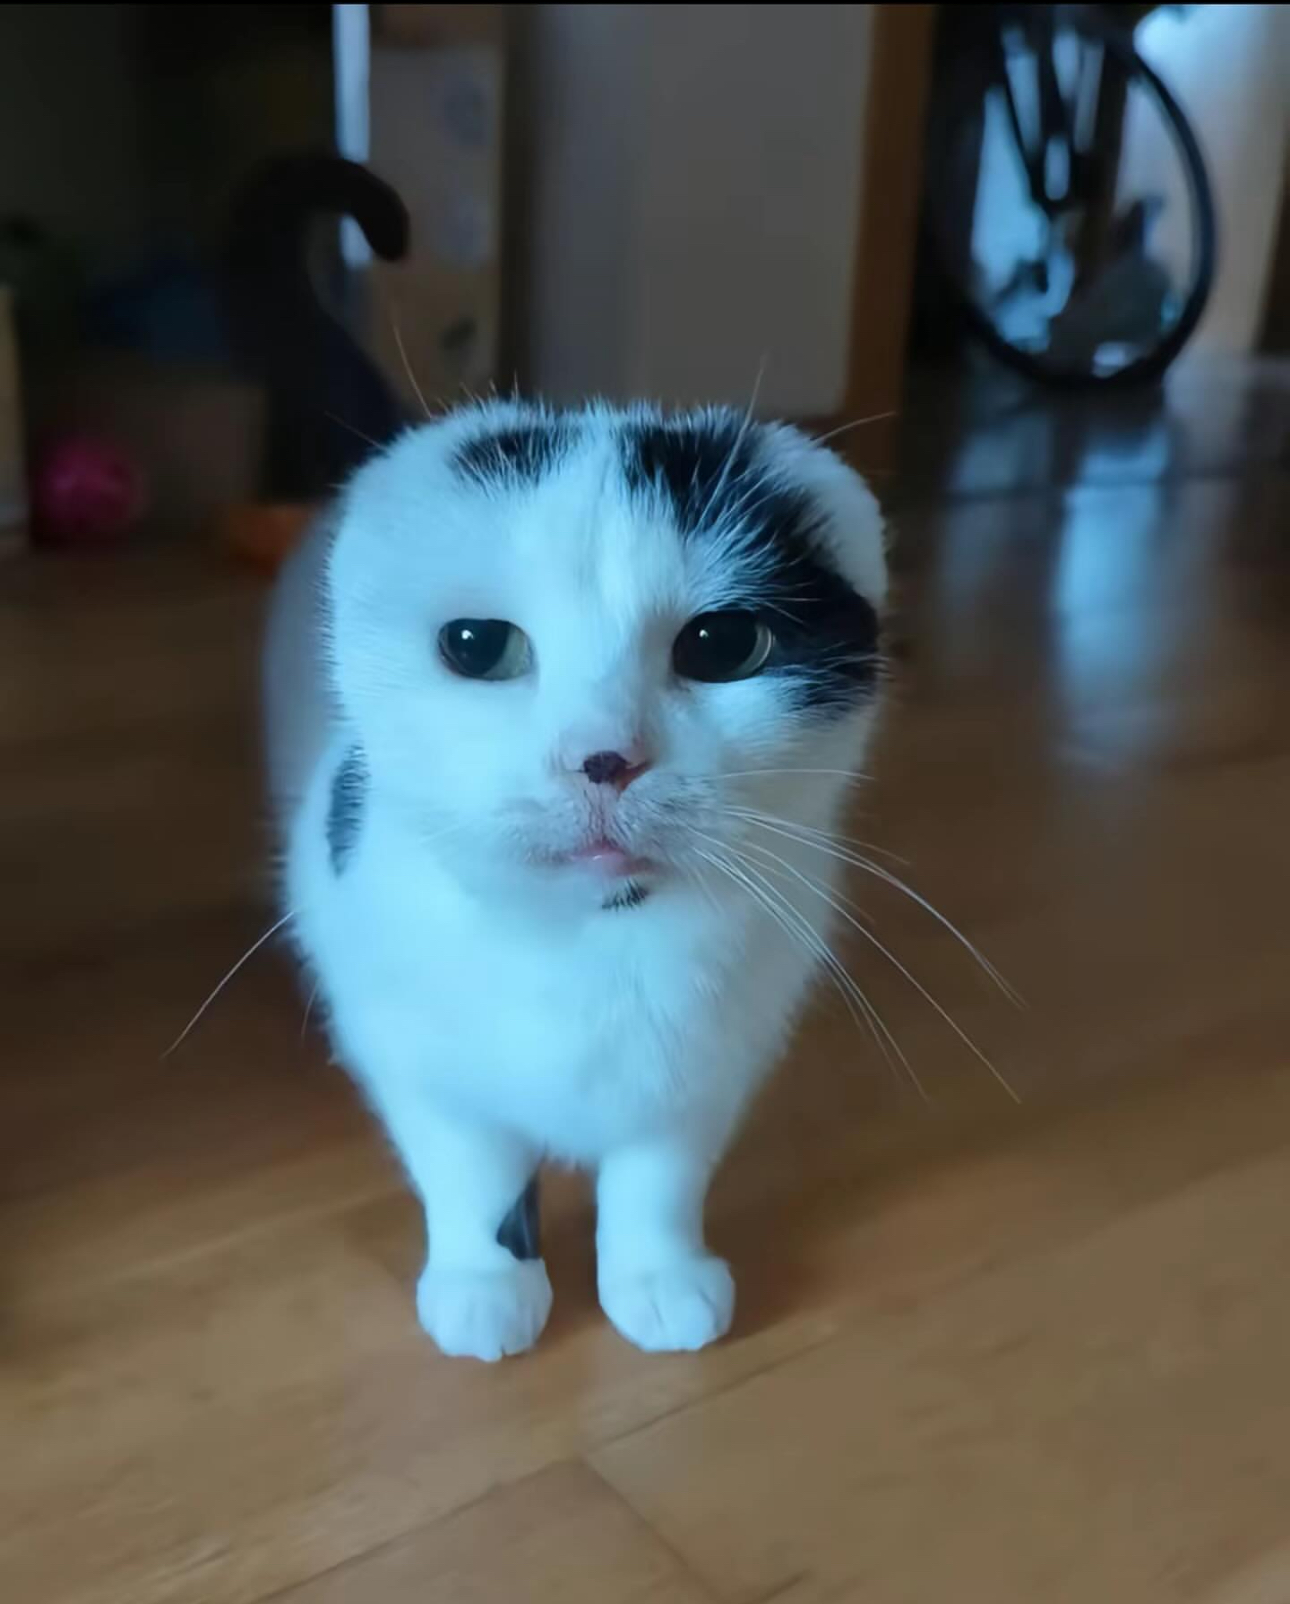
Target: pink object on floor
x,y
86,492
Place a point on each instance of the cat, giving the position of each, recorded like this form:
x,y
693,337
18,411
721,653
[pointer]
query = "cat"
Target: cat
x,y
326,400
556,701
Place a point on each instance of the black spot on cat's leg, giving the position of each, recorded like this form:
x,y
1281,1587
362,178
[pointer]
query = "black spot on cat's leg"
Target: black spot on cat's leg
x,y
520,455
345,811
520,1232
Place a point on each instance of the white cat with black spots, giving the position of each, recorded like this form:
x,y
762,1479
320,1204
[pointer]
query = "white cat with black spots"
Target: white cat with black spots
x,y
535,688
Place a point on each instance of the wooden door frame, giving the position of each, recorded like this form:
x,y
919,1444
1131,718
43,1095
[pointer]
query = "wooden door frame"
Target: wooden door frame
x,y
891,167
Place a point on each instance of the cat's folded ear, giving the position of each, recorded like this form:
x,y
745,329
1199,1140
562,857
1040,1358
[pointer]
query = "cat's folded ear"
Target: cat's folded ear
x,y
851,522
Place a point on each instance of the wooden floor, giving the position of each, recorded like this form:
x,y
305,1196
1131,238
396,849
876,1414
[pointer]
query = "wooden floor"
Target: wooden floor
x,y
985,1354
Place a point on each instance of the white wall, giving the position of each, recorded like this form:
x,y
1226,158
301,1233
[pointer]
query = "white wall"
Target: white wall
x,y
1229,67
696,174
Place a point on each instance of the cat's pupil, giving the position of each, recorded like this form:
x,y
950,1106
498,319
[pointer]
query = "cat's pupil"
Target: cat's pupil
x,y
721,646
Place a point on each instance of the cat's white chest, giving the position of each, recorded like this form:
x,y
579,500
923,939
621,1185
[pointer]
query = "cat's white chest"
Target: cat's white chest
x,y
578,1034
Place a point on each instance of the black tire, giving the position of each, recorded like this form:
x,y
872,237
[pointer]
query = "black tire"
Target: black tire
x,y
946,126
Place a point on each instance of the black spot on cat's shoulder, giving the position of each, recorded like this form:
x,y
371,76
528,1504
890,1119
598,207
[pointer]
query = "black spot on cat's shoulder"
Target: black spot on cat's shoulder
x,y
520,1232
520,454
345,810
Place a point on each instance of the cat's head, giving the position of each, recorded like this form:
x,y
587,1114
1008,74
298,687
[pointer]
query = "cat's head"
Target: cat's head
x,y
572,645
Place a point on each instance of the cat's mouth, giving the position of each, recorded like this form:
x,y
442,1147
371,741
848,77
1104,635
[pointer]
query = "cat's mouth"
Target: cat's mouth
x,y
606,858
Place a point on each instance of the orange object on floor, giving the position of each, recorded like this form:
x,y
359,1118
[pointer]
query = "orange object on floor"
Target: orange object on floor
x,y
265,533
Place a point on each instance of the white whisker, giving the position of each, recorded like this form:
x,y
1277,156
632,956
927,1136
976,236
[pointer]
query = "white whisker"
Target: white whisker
x,y
835,901
249,953
755,816
309,1006
844,774
775,913
885,875
807,936
740,436
878,1027
821,946
407,366
855,423
345,424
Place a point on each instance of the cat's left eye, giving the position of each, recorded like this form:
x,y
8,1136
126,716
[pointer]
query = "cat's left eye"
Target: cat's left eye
x,y
715,647
485,648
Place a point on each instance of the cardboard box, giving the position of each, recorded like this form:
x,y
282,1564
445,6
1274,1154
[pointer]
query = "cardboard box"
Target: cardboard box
x,y
436,131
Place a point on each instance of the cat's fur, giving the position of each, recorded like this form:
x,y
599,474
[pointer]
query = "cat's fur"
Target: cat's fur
x,y
499,1004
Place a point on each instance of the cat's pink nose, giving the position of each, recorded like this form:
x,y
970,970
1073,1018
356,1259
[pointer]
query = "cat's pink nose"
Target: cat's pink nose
x,y
612,768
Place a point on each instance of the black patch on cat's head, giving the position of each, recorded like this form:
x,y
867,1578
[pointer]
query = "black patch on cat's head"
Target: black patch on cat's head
x,y
827,648
715,478
520,1232
345,810
692,463
630,896
520,454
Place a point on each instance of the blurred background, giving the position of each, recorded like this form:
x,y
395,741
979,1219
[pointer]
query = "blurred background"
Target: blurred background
x,y
822,201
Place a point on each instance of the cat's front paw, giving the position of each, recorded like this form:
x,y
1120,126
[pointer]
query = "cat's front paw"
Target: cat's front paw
x,y
485,1314
679,1307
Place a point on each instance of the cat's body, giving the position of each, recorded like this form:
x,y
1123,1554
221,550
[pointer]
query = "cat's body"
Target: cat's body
x,y
529,899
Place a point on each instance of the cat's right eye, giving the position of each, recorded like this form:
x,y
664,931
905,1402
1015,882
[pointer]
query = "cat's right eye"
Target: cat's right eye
x,y
485,648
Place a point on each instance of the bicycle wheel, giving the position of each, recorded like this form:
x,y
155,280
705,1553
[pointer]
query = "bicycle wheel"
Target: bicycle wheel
x,y
1066,201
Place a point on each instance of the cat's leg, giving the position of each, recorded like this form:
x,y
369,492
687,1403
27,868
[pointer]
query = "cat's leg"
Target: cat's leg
x,y
658,1283
481,1294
